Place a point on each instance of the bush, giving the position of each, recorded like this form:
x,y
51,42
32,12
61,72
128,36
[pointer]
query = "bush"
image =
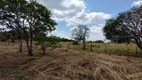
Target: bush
x,y
99,41
19,75
46,42
3,37
75,43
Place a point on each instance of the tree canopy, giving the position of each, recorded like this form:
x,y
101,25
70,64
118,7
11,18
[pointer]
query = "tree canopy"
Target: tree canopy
x,y
28,17
127,26
81,33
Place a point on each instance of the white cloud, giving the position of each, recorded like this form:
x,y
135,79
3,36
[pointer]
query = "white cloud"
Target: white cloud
x,y
89,18
96,33
62,10
62,34
75,12
137,3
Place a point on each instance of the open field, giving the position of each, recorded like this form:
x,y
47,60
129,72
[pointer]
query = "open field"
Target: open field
x,y
70,40
108,48
66,64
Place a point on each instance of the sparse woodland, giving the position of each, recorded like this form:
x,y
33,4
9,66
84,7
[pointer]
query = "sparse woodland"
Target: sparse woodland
x,y
27,52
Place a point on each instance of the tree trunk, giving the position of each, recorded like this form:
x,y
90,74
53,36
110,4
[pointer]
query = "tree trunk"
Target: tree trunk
x,y
29,48
141,49
13,43
138,43
5,43
84,45
31,43
8,42
31,51
91,47
20,46
128,53
43,51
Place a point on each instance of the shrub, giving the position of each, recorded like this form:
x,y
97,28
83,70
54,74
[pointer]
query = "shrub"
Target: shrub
x,y
75,43
45,42
99,41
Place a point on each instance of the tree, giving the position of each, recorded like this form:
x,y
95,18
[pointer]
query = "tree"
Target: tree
x,y
3,37
46,42
80,34
15,34
99,41
129,25
112,32
28,17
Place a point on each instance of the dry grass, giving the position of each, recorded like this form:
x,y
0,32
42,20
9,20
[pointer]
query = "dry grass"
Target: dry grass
x,y
109,48
64,64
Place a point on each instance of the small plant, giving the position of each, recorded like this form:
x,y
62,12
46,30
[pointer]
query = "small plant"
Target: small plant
x,y
46,42
19,75
75,43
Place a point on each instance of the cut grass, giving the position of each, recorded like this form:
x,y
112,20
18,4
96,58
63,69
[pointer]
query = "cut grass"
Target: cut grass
x,y
80,65
67,64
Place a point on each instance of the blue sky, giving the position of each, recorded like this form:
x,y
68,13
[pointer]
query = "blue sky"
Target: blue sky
x,y
93,13
112,7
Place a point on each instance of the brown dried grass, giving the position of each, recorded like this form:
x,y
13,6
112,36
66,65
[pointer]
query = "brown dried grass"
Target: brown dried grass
x,y
64,64
74,65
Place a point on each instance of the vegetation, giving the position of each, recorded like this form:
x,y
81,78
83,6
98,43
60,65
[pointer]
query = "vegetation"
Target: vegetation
x,y
99,41
3,37
125,27
123,49
46,42
27,25
75,43
80,34
66,64
28,17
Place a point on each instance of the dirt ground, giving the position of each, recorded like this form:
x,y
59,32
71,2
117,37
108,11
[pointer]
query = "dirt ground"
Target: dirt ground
x,y
65,64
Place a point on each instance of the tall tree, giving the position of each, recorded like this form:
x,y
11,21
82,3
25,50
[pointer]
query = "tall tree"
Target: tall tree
x,y
113,32
130,25
28,17
80,34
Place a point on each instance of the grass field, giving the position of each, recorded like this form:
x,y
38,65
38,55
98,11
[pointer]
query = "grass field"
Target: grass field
x,y
108,48
66,64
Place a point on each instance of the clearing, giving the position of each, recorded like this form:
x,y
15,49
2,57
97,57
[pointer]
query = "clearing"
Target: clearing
x,y
65,64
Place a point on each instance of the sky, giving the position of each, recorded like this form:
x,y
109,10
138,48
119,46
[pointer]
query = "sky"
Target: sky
x,y
70,13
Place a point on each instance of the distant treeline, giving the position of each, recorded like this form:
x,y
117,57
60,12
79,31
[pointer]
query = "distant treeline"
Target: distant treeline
x,y
13,35
65,40
97,41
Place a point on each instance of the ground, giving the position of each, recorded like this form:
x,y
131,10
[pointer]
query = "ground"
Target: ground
x,y
66,64
130,49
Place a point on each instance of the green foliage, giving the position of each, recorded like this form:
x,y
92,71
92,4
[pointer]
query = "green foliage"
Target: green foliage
x,y
19,75
50,39
65,40
45,42
56,38
99,41
125,27
28,17
3,37
75,43
113,32
40,39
